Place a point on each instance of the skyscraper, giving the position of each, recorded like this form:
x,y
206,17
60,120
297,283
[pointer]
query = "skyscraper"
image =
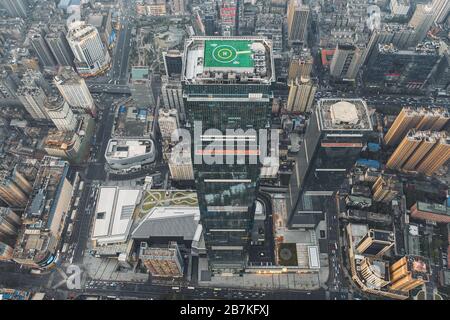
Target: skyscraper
x,y
441,8
14,188
228,10
173,63
15,8
347,60
386,188
60,48
376,243
434,119
439,155
301,95
409,272
41,48
227,86
422,20
298,21
91,56
32,95
74,90
59,112
300,65
335,135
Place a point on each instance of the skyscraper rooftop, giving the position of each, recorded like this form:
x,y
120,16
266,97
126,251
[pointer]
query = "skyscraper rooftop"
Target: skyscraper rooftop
x,y
344,114
228,60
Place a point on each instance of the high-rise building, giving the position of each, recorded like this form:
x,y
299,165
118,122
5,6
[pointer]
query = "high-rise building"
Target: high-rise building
x,y
301,95
400,8
91,56
374,272
335,135
60,48
422,20
347,60
298,22
141,86
6,251
434,119
301,65
180,164
173,63
41,48
32,95
409,272
228,11
172,95
8,85
439,155
178,7
15,8
60,113
168,122
9,222
376,243
14,188
227,88
441,9
402,71
386,188
400,35
74,90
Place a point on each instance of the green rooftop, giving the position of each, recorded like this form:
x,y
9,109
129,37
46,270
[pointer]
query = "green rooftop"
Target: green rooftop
x,y
228,53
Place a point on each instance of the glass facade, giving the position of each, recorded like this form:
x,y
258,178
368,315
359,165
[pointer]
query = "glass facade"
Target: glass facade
x,y
227,189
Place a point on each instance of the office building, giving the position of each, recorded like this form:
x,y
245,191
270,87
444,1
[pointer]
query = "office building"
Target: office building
x,y
43,220
409,272
58,45
226,90
434,119
172,95
376,243
173,63
401,71
400,8
60,113
301,95
435,212
15,8
300,65
41,48
422,20
347,60
32,95
335,135
91,56
141,86
123,155
168,122
162,261
9,223
298,22
74,90
400,35
386,188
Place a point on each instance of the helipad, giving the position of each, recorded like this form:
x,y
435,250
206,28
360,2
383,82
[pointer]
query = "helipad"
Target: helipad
x,y
228,53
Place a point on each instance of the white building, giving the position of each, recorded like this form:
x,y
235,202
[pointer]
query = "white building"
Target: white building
x,y
347,60
114,215
301,95
400,7
32,96
126,155
74,90
91,56
60,113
